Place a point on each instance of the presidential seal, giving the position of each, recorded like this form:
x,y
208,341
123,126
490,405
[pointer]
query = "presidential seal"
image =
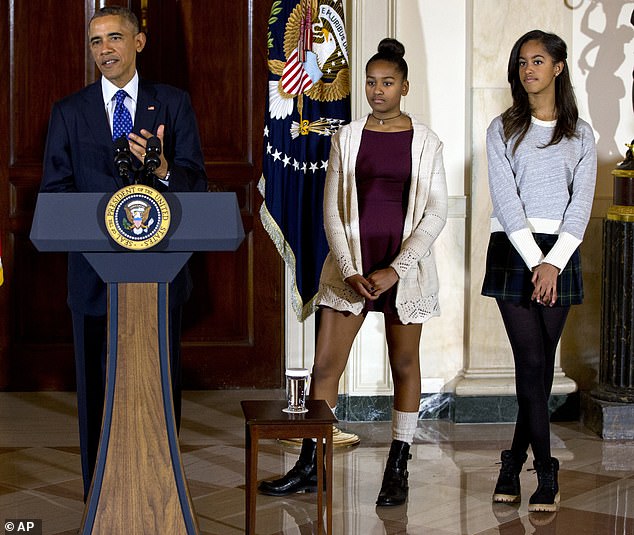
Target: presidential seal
x,y
137,217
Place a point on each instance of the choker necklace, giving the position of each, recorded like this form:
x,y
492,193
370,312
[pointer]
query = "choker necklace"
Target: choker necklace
x,y
382,121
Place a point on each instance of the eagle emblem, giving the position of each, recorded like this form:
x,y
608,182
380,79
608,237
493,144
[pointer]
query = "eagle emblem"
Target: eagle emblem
x,y
137,213
315,66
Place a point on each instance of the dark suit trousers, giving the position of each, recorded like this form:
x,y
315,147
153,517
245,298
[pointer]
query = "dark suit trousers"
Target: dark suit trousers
x,y
90,338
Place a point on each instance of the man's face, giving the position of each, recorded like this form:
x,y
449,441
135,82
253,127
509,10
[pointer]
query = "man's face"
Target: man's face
x,y
114,47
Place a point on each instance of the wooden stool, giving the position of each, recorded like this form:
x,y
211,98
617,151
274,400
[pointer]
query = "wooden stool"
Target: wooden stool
x,y
265,419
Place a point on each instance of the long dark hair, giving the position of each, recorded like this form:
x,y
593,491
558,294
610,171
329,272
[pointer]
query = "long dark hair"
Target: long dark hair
x,y
517,119
392,51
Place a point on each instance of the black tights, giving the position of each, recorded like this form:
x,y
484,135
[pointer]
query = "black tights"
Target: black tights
x,y
534,333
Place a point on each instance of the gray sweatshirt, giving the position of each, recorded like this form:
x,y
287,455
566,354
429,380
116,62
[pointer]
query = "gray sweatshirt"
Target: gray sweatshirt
x,y
542,190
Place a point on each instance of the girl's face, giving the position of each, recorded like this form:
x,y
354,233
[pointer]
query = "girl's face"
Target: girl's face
x,y
537,69
384,87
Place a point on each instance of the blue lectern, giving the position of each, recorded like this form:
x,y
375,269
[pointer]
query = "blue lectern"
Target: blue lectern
x,y
139,484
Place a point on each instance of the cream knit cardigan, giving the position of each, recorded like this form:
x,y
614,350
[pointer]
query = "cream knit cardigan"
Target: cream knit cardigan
x,y
417,287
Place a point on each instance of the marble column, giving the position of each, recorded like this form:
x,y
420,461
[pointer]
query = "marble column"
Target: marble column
x,y
616,372
609,409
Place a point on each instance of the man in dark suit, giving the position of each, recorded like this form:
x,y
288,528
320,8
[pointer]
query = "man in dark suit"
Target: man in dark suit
x,y
79,156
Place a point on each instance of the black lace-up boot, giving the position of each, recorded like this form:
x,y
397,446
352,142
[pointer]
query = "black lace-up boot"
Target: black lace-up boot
x,y
394,488
301,478
546,497
507,488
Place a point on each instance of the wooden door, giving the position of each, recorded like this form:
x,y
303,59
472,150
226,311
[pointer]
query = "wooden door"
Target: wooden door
x,y
233,328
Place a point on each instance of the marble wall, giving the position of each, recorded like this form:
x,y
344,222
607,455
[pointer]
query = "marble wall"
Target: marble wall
x,y
457,51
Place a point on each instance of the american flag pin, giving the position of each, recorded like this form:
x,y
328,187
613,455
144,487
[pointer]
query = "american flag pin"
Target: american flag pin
x,y
150,108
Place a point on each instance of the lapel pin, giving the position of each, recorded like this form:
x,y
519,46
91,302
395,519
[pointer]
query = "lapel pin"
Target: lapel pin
x,y
150,108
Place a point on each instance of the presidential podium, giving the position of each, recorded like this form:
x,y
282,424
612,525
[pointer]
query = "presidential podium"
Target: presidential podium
x,y
139,484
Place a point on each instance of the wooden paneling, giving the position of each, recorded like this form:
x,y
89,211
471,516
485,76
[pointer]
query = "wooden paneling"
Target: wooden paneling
x,y
5,320
233,328
37,346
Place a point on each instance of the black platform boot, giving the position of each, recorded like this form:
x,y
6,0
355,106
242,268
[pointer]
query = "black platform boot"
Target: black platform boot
x,y
394,488
301,478
546,497
507,488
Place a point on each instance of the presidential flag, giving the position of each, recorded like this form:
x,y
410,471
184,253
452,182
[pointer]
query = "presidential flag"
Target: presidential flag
x,y
308,99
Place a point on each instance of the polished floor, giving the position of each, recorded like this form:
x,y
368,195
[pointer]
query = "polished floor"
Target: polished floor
x,y
452,475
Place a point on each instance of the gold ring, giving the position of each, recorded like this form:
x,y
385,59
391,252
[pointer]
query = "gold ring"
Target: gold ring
x,y
143,155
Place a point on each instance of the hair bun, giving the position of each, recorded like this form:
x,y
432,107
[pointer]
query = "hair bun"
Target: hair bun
x,y
392,47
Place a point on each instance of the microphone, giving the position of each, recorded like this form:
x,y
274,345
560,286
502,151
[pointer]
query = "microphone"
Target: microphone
x,y
152,154
123,158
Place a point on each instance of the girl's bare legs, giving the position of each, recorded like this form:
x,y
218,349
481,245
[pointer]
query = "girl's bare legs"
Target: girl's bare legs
x,y
337,331
403,343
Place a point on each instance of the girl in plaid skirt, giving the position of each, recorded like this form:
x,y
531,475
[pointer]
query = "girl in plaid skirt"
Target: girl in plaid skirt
x,y
542,171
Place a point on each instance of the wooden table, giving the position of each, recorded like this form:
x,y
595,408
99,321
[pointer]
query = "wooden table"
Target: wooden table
x,y
265,419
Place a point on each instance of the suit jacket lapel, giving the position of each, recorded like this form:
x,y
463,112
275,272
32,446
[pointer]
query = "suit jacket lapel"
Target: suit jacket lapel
x,y
147,108
95,115
97,125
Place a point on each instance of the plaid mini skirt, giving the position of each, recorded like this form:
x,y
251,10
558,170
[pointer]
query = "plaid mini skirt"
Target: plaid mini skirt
x,y
507,277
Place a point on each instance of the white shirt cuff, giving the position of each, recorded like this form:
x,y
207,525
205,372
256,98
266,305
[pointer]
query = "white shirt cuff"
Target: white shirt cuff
x,y
166,179
563,249
527,247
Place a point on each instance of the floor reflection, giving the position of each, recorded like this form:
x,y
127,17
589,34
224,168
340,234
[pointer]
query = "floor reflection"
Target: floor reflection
x,y
452,474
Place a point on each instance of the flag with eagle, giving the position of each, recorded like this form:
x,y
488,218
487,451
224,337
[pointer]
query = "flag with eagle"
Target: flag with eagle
x,y
308,99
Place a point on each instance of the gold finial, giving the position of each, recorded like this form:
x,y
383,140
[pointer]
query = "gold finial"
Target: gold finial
x,y
144,15
626,165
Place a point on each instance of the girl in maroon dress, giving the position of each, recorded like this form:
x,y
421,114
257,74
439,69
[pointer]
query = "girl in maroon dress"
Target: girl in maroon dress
x,y
385,202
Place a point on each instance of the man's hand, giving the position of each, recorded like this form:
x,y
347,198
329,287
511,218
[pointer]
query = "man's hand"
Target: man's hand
x,y
138,145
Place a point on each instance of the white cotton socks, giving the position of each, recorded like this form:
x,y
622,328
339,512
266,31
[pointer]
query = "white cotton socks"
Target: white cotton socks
x,y
404,425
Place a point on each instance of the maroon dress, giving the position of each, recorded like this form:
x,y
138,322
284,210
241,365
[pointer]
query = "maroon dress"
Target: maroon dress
x,y
383,174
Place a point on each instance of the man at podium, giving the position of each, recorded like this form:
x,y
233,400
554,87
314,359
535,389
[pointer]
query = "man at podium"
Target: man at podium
x,y
130,114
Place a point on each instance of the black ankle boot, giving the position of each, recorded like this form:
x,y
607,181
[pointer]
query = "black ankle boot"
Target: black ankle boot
x,y
546,497
507,488
394,488
301,478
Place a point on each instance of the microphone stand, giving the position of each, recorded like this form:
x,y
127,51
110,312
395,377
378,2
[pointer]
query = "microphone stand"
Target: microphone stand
x,y
152,160
123,159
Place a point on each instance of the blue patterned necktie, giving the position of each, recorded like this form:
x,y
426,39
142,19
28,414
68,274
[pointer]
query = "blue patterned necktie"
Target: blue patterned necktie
x,y
121,118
